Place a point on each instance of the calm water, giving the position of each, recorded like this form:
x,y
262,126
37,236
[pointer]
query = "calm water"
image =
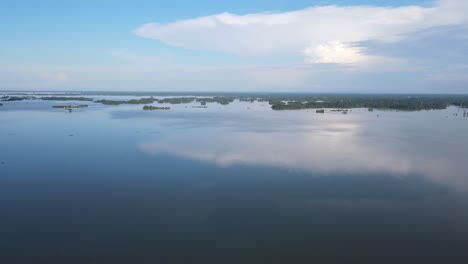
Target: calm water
x,y
231,184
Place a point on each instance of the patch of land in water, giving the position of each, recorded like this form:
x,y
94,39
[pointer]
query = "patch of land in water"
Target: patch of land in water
x,y
391,102
149,100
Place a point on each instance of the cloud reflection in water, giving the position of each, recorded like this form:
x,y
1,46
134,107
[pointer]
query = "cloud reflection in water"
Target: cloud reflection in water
x,y
401,145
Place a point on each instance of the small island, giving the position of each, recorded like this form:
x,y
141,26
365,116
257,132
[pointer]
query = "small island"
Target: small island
x,y
177,100
148,100
151,108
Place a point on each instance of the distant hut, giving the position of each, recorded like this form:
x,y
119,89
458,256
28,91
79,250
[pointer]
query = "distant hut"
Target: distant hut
x,y
320,111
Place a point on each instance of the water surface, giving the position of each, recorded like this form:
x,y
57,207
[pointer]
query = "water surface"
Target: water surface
x,y
231,184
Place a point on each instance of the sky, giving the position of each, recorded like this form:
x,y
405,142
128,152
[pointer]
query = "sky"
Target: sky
x,y
389,46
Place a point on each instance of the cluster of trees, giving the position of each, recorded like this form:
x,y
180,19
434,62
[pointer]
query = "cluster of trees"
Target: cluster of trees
x,y
224,100
406,103
148,100
177,100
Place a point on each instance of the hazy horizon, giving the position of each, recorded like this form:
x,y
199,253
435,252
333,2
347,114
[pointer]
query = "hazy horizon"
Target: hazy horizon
x,y
187,92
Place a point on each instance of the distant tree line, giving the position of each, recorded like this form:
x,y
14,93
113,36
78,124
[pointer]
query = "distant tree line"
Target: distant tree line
x,y
149,100
285,101
406,103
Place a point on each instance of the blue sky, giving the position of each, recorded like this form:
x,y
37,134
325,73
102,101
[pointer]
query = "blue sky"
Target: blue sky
x,y
305,46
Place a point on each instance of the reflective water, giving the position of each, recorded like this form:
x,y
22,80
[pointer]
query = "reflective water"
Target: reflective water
x,y
231,184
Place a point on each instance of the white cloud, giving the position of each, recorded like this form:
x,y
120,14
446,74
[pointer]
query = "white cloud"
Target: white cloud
x,y
322,34
335,52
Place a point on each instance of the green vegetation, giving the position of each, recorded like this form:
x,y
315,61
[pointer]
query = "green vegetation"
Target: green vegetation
x,y
110,102
314,101
177,100
285,101
69,106
65,98
224,100
393,102
151,107
148,100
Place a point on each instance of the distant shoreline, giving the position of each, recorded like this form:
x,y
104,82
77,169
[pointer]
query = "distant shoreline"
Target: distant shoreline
x,y
277,101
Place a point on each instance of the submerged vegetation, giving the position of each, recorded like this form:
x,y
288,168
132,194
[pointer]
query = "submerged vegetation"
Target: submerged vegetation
x,y
69,106
151,107
65,98
224,100
16,98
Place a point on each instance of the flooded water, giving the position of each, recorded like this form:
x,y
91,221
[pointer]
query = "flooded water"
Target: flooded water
x,y
231,184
